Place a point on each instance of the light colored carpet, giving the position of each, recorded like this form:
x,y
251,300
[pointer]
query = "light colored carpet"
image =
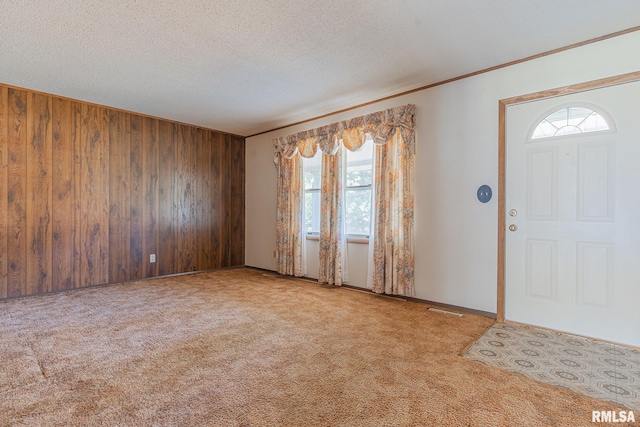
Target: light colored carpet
x,y
237,348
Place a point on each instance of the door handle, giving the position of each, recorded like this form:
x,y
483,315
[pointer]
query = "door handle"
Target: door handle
x,y
513,227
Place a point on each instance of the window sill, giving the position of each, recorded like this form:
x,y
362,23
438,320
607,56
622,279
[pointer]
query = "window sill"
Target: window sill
x,y
359,240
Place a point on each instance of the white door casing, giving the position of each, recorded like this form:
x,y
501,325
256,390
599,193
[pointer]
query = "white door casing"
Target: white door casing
x,y
573,263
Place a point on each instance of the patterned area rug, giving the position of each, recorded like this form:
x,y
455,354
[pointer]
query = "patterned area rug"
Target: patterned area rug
x,y
594,368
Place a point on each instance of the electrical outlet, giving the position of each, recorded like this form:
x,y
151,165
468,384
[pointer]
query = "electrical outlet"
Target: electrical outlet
x,y
152,258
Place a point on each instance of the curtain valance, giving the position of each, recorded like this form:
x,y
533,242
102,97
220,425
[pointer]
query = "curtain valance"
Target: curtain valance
x,y
380,126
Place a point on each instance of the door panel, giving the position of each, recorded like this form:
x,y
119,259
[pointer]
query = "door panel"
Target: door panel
x,y
542,184
573,220
596,182
541,268
595,274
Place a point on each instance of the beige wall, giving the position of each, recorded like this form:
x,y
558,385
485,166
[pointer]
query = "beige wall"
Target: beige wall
x,y
457,151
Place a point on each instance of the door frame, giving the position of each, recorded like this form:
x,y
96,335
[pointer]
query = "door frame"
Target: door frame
x,y
502,141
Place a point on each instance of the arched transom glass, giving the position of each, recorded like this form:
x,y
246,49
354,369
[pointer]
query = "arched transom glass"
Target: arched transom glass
x,y
570,120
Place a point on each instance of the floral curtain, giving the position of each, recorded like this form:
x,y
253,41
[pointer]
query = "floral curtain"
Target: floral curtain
x,y
332,231
393,243
393,131
381,126
289,243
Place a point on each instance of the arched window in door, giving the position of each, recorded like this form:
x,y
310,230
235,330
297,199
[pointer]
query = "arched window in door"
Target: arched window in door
x,y
571,120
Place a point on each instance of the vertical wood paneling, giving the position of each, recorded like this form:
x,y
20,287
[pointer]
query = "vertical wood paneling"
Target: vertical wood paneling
x,y
95,195
87,193
39,192
236,221
104,191
166,210
4,95
203,200
119,233
216,201
77,135
17,193
191,136
63,203
185,199
225,214
179,215
136,196
150,191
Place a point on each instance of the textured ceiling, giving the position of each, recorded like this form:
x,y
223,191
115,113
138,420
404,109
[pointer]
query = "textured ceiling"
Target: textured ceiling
x,y
246,66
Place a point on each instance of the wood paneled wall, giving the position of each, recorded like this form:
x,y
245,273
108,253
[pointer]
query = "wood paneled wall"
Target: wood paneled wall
x,y
87,193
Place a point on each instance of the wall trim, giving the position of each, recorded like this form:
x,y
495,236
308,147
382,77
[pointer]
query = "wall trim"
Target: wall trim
x,y
368,291
453,79
502,127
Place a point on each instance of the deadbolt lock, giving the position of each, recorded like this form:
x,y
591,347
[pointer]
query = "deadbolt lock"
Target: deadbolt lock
x,y
513,212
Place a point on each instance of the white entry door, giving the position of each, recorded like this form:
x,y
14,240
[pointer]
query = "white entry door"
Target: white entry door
x,y
573,217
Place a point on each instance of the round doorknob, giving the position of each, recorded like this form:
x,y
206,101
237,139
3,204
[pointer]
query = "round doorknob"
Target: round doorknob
x,y
513,227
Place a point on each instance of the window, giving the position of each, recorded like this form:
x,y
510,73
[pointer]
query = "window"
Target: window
x,y
358,191
571,120
312,168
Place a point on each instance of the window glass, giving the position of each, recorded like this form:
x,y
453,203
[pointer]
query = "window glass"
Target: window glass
x,y
312,171
568,121
358,190
312,180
